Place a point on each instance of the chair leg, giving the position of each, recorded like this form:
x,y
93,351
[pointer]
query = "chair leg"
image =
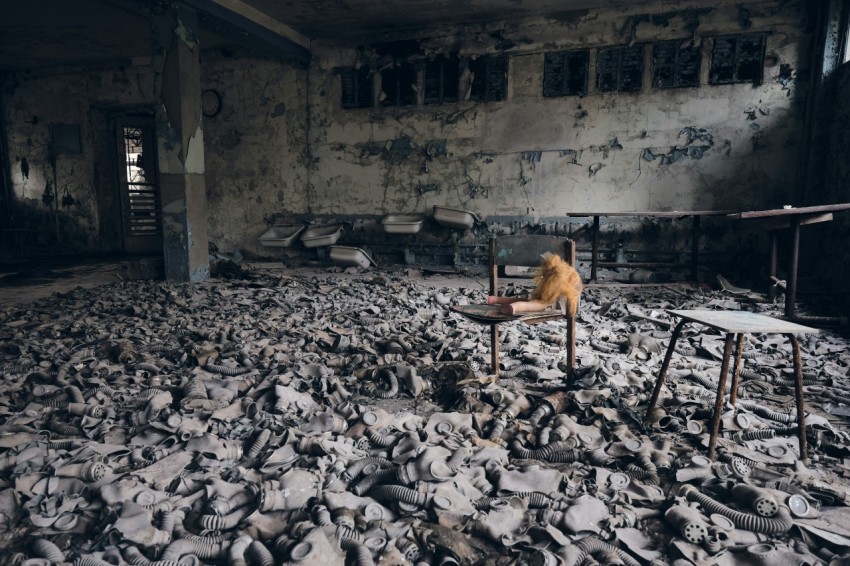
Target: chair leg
x,y
721,395
571,347
664,366
494,349
736,371
798,389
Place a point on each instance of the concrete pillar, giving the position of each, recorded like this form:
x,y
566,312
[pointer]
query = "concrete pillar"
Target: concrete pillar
x,y
180,147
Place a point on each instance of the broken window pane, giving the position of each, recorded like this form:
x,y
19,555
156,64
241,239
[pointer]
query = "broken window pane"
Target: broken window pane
x,y
565,73
674,66
356,87
619,69
399,85
489,78
737,59
441,80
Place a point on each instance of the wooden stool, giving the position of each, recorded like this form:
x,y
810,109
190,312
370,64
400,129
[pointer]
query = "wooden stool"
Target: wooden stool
x,y
738,323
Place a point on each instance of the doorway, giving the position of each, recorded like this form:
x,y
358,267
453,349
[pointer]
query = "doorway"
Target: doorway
x,y
138,185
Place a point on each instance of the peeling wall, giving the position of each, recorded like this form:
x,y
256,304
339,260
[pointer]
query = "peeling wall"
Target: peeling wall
x,y
256,162
33,101
715,147
735,146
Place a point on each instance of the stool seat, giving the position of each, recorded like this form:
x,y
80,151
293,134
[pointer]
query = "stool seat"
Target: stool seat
x,y
735,324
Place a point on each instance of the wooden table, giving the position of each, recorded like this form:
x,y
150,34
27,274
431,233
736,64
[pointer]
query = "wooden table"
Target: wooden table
x,y
784,219
695,233
736,324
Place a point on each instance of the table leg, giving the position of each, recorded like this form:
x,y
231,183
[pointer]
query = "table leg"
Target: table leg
x,y
664,366
772,239
798,389
594,254
791,290
736,371
695,238
494,349
721,395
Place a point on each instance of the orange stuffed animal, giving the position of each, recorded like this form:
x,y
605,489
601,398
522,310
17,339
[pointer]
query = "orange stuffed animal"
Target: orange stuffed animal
x,y
555,279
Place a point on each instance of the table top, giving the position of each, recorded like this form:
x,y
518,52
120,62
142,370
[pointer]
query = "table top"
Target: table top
x,y
742,322
797,211
658,213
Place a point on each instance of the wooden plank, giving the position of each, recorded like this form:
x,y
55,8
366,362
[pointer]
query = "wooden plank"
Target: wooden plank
x,y
791,211
656,213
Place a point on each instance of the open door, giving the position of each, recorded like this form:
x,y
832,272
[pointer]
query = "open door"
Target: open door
x,y
138,183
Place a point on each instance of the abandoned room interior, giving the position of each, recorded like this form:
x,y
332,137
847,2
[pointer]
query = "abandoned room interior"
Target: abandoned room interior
x,y
359,282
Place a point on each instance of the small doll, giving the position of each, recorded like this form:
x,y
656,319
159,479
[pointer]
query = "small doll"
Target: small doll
x,y
555,279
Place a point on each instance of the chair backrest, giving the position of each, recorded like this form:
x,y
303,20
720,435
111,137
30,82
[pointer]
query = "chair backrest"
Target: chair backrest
x,y
526,251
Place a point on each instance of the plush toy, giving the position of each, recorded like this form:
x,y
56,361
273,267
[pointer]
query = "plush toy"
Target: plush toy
x,y
555,279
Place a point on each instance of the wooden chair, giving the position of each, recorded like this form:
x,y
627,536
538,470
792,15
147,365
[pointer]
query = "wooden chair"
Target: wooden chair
x,y
526,251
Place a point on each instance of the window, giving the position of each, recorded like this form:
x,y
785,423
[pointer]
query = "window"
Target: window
x,y
442,77
356,87
737,59
565,73
674,66
619,69
489,79
398,84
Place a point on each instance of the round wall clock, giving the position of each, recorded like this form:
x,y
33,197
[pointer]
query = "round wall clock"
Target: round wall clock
x,y
210,103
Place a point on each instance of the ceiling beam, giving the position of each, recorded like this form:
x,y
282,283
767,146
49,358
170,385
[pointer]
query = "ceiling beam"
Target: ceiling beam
x,y
243,22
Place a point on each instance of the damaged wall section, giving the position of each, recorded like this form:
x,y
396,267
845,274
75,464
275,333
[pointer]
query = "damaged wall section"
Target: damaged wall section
x,y
256,147
589,152
90,218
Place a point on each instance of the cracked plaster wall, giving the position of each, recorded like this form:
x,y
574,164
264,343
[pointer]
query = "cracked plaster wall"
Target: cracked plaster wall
x,y
256,147
549,156
33,101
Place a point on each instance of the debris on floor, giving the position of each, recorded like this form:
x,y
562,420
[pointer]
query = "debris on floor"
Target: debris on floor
x,y
288,419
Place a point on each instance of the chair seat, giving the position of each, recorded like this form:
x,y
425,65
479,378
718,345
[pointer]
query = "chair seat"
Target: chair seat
x,y
485,314
489,314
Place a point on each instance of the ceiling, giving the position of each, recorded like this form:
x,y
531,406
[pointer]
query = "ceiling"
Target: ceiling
x,y
379,19
49,33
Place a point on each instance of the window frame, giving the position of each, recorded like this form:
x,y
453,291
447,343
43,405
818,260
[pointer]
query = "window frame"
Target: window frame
x,y
488,62
442,61
621,51
565,70
676,65
713,81
356,78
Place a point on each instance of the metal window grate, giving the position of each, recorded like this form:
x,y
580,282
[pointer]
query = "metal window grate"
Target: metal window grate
x,y
489,79
356,87
619,69
737,59
442,77
565,73
675,66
